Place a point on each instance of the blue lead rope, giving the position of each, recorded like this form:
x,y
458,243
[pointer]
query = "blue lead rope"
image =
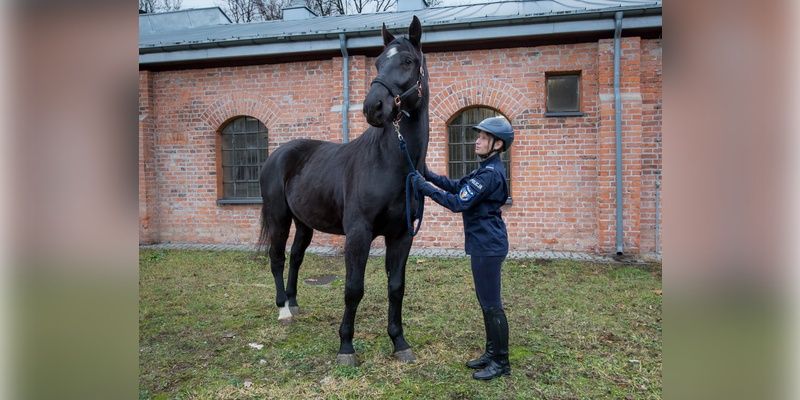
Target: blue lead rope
x,y
411,190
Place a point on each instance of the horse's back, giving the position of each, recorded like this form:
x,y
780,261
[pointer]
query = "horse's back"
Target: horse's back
x,y
288,159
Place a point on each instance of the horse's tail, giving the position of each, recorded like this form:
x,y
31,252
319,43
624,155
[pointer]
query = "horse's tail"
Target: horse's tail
x,y
263,237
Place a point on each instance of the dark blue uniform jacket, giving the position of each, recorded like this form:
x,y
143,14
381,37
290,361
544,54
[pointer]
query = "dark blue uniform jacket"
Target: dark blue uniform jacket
x,y
478,196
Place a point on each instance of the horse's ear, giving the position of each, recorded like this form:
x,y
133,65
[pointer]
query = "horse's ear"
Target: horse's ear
x,y
387,37
415,31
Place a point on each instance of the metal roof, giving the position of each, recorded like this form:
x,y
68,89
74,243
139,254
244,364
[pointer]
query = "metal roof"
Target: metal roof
x,y
158,23
442,18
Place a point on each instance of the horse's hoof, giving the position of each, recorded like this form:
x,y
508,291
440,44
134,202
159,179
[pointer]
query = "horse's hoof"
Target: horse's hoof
x,y
295,310
285,315
406,356
347,359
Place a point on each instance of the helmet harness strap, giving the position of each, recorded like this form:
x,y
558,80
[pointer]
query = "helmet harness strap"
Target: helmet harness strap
x,y
492,150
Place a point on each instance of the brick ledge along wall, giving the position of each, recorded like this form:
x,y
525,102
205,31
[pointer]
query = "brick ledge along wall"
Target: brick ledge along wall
x,y
562,169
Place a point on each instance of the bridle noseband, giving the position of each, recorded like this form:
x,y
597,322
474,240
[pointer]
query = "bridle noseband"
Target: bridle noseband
x,y
400,98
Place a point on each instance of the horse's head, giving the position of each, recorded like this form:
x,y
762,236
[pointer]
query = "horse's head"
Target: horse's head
x,y
400,85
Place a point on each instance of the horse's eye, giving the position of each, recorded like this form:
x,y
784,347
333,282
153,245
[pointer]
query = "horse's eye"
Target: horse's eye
x,y
408,61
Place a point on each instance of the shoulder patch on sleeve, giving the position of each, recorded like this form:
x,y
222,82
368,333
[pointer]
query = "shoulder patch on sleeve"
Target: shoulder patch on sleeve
x,y
466,193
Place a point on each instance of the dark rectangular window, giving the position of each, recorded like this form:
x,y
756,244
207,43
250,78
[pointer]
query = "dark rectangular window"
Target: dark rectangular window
x,y
244,150
563,94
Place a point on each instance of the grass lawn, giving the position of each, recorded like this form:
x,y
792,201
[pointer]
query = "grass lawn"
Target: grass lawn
x,y
577,331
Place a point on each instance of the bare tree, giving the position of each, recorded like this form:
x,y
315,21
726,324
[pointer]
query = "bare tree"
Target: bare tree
x,y
358,5
147,6
384,5
172,5
340,6
272,9
324,7
387,5
243,10
152,6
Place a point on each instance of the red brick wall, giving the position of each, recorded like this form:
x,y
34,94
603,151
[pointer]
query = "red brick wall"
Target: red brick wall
x,y
562,169
148,219
651,141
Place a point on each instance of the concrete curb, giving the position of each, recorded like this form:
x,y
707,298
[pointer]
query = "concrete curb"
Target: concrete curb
x,y
444,253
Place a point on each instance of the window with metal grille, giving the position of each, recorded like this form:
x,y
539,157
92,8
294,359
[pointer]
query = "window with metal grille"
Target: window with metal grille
x,y
461,141
243,150
563,94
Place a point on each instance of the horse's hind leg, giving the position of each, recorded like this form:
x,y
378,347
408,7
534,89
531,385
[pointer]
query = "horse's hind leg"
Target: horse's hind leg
x,y
278,234
396,256
302,238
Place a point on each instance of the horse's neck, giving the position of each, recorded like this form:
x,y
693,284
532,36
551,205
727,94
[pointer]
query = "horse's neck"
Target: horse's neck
x,y
415,131
419,128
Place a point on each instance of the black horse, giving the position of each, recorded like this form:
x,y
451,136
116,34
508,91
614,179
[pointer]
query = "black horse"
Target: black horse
x,y
355,189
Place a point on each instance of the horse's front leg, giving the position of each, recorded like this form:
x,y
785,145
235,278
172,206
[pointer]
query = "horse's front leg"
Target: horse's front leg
x,y
356,251
396,257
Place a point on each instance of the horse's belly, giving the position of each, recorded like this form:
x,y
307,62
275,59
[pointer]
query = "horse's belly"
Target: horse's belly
x,y
322,224
316,211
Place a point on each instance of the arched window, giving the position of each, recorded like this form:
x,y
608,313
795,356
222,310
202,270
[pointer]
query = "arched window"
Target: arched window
x,y
243,151
462,159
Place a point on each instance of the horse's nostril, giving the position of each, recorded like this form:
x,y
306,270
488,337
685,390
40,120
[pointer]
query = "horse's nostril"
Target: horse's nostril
x,y
377,108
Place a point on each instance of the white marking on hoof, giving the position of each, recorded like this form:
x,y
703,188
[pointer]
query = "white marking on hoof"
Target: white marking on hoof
x,y
285,314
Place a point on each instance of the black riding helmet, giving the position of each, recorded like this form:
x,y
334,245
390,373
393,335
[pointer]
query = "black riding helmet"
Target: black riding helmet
x,y
498,127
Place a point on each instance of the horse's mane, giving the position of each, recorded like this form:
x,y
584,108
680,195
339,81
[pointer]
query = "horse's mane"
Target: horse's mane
x,y
370,138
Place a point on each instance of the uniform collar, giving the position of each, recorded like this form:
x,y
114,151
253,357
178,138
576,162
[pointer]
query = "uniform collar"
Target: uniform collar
x,y
490,160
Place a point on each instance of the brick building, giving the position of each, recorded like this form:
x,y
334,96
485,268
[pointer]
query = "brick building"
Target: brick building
x,y
216,97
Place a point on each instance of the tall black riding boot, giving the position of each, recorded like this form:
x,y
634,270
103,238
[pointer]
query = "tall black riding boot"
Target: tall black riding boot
x,y
482,361
498,334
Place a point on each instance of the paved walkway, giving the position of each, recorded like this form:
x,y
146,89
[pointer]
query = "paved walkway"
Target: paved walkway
x,y
446,253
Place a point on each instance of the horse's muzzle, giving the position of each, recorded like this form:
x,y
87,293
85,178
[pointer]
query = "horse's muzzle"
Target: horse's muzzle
x,y
374,115
378,107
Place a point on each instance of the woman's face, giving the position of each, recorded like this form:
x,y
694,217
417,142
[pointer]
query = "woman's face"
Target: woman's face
x,y
484,142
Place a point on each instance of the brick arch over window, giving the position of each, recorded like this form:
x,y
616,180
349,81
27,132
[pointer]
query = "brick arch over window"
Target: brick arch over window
x,y
230,106
477,92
